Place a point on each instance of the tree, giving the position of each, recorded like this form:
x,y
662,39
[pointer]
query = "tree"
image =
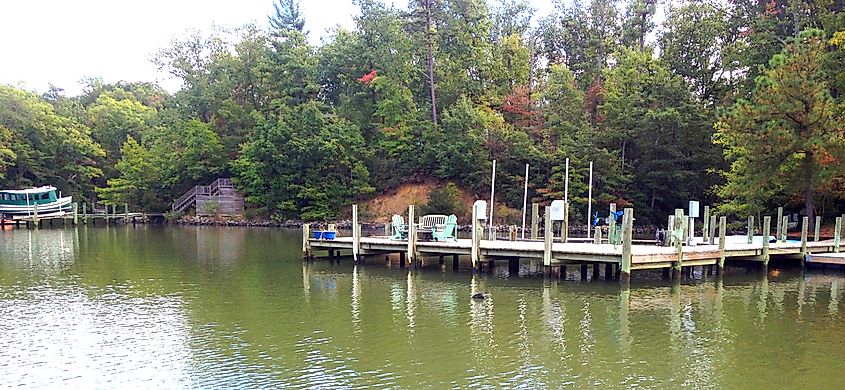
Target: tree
x,y
303,162
638,22
47,148
663,136
788,136
287,16
692,45
139,175
423,13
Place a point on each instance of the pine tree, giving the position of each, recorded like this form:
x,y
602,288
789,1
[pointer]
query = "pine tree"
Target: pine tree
x,y
788,136
287,16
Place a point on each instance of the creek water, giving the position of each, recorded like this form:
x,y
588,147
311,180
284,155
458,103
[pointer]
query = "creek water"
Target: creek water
x,y
201,307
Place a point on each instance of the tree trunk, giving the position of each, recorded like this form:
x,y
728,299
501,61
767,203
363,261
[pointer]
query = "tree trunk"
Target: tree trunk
x,y
430,61
808,186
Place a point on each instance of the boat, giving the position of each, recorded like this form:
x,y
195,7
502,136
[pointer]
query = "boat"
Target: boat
x,y
20,203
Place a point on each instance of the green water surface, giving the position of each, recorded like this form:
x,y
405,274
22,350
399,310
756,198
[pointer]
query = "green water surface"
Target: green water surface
x,y
188,307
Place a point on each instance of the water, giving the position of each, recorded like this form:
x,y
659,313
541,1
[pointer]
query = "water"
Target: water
x,y
237,308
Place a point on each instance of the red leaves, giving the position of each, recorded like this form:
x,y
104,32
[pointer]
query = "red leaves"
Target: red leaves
x,y
772,8
369,77
827,159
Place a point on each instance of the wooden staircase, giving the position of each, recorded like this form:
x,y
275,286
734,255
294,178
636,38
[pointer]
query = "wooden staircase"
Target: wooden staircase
x,y
221,191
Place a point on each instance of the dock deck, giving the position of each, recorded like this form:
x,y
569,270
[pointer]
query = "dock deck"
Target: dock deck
x,y
642,256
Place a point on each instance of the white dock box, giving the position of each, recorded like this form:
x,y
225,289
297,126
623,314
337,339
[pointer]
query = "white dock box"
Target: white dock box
x,y
558,210
693,209
480,208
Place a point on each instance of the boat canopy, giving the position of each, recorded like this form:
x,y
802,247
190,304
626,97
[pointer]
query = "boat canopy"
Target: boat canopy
x,y
34,190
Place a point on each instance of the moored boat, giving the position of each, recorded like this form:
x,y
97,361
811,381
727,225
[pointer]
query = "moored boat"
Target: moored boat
x,y
16,203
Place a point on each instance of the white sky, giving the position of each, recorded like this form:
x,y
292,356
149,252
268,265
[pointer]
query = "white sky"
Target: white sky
x,y
61,42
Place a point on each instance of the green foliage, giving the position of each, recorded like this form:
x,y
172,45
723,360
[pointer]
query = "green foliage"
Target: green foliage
x,y
287,16
444,200
442,88
787,138
44,148
303,162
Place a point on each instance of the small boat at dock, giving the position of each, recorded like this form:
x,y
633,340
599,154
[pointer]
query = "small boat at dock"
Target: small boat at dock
x,y
22,203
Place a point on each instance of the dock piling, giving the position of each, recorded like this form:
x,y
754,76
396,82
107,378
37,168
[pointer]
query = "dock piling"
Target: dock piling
x,y
475,251
597,236
84,213
712,240
784,228
611,225
35,217
548,236
750,229
805,222
678,240
705,230
412,236
779,224
306,234
535,220
837,227
564,229
722,223
75,213
356,233
767,227
628,232
818,228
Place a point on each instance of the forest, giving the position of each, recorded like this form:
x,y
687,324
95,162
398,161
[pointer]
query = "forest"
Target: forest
x,y
738,103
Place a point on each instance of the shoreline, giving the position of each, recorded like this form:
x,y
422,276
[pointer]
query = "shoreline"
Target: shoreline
x,y
347,225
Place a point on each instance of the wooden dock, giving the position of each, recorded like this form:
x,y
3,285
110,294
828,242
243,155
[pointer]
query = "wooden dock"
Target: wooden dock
x,y
621,258
74,217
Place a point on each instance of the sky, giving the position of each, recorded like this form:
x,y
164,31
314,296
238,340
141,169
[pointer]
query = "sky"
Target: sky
x,y
58,42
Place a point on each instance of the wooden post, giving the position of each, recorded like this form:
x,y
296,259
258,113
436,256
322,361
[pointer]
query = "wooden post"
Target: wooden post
x,y
35,217
84,213
548,236
780,226
818,228
670,227
125,212
750,229
597,236
722,223
805,225
535,220
564,231
705,229
678,237
784,228
412,236
476,240
767,227
512,233
75,213
836,229
611,224
356,234
627,234
306,245
712,226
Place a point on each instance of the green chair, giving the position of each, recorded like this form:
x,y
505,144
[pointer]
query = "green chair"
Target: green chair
x,y
447,231
398,228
